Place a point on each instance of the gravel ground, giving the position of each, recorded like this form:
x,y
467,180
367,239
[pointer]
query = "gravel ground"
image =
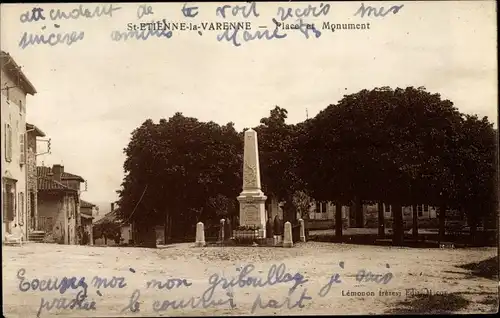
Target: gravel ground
x,y
188,273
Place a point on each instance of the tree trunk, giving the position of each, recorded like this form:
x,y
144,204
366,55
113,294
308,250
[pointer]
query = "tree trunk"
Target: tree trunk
x,y
360,222
165,229
415,222
105,240
397,225
473,220
338,220
170,223
289,213
381,220
442,222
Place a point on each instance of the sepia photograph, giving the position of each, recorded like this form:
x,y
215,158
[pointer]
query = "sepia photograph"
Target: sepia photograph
x,y
249,158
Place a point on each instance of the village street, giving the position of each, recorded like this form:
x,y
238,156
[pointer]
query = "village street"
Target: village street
x,y
433,269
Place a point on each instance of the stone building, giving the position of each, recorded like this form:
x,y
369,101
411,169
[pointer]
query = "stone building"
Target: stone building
x,y
15,87
88,213
32,132
58,204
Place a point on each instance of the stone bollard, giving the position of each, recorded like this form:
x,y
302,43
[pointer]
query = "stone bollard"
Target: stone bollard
x,y
302,231
222,225
287,235
200,235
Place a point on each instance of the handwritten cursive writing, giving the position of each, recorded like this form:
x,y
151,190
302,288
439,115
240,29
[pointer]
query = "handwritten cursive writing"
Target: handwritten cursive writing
x,y
99,11
52,39
245,10
78,303
114,282
380,13
276,305
364,276
275,275
36,15
285,13
232,36
334,279
133,305
118,36
169,284
193,302
48,285
189,12
143,10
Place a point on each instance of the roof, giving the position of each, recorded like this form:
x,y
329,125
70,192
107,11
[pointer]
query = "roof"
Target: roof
x,y
109,217
34,128
85,204
46,171
46,183
10,67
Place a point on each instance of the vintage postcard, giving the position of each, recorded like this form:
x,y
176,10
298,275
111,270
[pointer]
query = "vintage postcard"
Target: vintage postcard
x,y
249,158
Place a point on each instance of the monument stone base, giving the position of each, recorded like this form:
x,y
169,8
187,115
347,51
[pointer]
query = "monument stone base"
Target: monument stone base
x,y
253,211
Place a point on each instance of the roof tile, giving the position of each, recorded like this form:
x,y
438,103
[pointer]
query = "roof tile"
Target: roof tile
x,y
45,171
45,184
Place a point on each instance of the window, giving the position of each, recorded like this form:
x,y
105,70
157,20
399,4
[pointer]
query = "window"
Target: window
x,y
22,146
323,207
9,204
387,209
419,210
320,207
8,143
21,208
21,109
426,208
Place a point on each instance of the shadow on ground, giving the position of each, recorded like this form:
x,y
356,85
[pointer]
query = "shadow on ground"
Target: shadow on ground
x,y
430,304
486,269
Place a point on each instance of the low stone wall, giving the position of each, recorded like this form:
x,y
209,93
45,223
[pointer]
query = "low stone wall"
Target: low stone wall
x,y
319,224
312,225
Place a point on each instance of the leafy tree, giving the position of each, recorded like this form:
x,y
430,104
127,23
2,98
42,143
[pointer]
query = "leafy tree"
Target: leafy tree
x,y
394,146
302,202
477,170
188,166
107,229
279,155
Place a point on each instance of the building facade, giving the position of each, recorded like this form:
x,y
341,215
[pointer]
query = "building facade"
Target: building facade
x,y
32,132
15,87
58,202
88,212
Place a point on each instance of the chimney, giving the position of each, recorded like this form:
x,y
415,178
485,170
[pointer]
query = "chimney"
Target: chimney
x,y
112,206
57,170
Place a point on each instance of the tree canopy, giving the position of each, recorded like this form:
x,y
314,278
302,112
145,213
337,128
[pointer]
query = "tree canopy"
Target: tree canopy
x,y
190,169
399,146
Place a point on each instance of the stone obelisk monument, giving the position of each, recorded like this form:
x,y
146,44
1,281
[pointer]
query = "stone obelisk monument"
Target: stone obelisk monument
x,y
252,199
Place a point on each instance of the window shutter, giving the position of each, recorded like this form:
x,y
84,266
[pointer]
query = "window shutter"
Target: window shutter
x,y
9,142
13,205
21,208
6,130
22,145
5,203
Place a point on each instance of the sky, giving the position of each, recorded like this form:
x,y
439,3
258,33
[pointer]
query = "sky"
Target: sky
x,y
93,93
